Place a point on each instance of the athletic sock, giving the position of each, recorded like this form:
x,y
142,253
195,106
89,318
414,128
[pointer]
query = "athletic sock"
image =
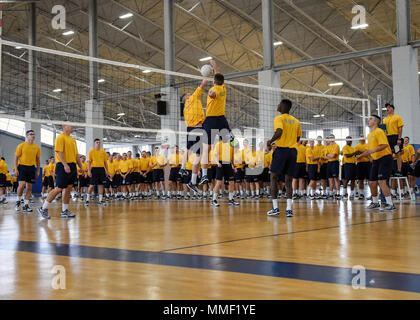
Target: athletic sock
x,y
230,195
393,192
388,200
204,172
26,202
194,178
275,204
375,199
100,198
214,196
45,205
289,204
65,207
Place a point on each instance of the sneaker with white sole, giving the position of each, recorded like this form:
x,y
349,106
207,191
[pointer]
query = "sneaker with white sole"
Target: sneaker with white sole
x,y
26,208
43,213
233,203
67,214
373,206
289,213
214,203
273,212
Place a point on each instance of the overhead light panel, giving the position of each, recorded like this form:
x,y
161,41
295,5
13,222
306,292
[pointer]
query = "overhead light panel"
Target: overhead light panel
x,y
147,71
126,16
68,33
206,59
18,47
335,84
121,114
278,43
319,115
360,26
57,90
101,80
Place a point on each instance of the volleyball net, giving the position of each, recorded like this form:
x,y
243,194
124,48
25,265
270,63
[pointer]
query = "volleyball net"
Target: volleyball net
x,y
134,104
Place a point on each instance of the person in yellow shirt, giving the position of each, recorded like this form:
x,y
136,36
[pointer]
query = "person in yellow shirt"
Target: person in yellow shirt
x,y
260,154
27,169
125,166
394,125
3,172
83,178
415,173
332,154
149,175
66,172
312,162
287,131
252,172
175,161
97,171
223,157
14,184
246,151
322,167
108,186
131,177
8,182
157,164
186,179
238,165
380,151
49,177
407,154
349,168
363,166
143,180
268,157
215,122
45,173
299,173
194,118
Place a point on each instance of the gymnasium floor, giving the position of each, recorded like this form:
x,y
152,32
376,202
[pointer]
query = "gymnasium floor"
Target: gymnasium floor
x,y
189,250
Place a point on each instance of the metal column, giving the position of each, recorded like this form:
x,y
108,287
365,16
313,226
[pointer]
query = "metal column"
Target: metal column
x,y
268,33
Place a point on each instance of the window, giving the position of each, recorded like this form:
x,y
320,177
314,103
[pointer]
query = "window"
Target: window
x,y
313,134
47,137
341,133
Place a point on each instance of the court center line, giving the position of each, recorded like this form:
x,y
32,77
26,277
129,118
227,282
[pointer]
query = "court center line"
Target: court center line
x,y
286,233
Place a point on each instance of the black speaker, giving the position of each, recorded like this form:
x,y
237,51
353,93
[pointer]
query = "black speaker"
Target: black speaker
x,y
181,109
161,108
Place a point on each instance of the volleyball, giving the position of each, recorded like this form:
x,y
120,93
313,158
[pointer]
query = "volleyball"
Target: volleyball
x,y
206,70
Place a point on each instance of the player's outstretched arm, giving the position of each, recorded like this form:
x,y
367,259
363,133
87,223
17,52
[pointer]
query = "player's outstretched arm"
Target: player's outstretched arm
x,y
214,65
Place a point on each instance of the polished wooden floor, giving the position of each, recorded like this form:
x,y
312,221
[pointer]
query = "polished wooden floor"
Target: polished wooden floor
x,y
182,250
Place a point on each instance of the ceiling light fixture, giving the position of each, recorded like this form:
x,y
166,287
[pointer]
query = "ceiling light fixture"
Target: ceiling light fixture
x,y
206,59
126,16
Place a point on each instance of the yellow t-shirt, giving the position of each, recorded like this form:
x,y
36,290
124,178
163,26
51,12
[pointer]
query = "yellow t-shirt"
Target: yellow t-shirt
x,y
193,112
216,106
319,153
14,179
376,138
67,145
190,161
3,167
291,130
158,162
97,158
362,148
251,159
392,124
49,169
144,164
408,154
238,159
268,158
348,150
28,153
117,166
136,165
175,160
260,159
224,152
125,165
83,170
333,148
311,153
301,153
111,167
9,177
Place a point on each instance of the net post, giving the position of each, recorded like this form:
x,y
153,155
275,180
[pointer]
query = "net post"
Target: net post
x,y
364,117
268,101
93,115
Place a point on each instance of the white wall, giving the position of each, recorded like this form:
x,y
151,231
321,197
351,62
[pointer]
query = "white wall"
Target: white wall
x,y
8,144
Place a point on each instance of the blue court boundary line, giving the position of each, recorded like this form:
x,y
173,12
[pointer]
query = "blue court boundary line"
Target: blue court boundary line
x,y
408,282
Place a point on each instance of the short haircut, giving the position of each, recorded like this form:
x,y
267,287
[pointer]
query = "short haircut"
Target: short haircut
x,y
348,137
149,153
387,104
137,155
29,131
52,157
287,103
392,106
407,138
376,117
2,158
97,140
219,79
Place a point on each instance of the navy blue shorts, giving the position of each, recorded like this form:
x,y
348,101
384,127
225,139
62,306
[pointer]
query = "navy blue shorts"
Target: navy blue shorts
x,y
225,172
416,171
2,180
83,182
363,170
116,181
98,177
265,176
394,166
239,175
393,141
211,173
333,168
50,182
63,179
284,161
300,171
26,173
174,175
313,172
149,178
142,179
215,126
323,172
158,175
405,169
195,143
349,171
381,169
45,182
